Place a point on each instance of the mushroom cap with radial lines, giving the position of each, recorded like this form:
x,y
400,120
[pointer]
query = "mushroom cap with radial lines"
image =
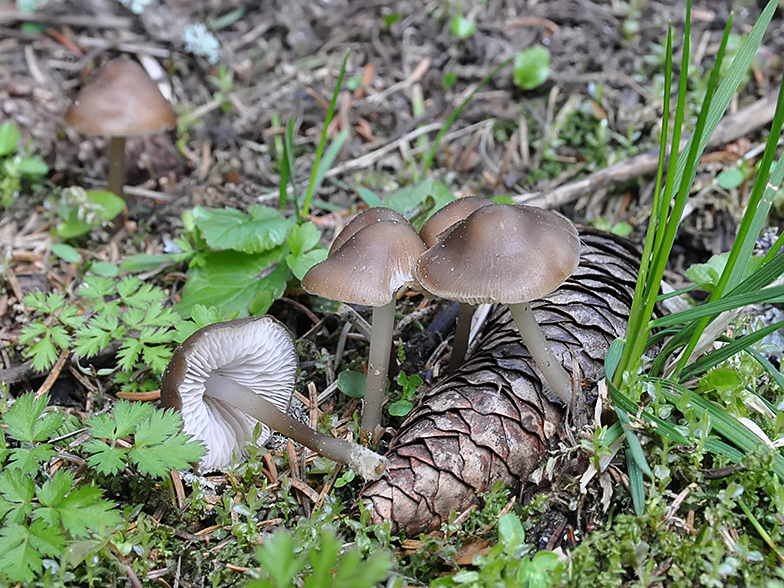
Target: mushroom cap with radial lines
x,y
256,352
501,253
363,219
121,100
370,267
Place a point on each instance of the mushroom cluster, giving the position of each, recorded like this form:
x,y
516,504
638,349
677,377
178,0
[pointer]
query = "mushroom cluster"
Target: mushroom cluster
x,y
471,251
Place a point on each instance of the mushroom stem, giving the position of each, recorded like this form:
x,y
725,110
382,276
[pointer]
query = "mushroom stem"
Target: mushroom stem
x,y
362,460
534,340
378,366
460,345
116,179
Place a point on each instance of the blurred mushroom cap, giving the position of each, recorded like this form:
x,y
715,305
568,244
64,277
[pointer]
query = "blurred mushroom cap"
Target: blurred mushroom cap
x,y
120,100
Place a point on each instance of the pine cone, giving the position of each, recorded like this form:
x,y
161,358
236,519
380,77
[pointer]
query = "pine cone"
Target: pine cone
x,y
492,420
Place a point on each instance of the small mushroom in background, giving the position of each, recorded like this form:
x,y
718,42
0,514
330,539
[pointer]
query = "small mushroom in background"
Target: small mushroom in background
x,y
227,377
120,101
510,255
369,268
434,229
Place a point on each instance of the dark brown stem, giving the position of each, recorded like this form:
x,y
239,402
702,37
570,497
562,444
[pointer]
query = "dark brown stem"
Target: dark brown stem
x,y
116,166
460,344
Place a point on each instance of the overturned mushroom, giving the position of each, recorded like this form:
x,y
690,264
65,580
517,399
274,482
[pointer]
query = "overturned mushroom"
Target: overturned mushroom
x,y
369,268
512,255
227,377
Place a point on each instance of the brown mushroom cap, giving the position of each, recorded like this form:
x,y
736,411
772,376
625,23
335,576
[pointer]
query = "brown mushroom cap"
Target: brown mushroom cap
x,y
121,100
370,267
447,216
363,219
256,352
501,253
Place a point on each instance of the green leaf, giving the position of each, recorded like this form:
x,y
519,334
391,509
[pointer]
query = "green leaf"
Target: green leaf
x,y
231,229
352,384
143,262
128,415
96,287
229,280
29,461
66,252
105,459
22,549
109,204
76,509
303,238
369,197
9,137
27,421
531,67
300,264
510,532
400,408
722,379
408,199
104,268
278,560
730,178
462,27
32,167
17,490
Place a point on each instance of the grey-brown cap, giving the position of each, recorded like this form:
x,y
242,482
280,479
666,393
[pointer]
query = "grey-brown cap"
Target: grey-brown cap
x,y
256,352
446,217
121,100
370,267
363,219
501,253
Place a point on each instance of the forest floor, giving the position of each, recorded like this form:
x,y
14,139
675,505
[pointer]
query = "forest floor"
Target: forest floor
x,y
406,73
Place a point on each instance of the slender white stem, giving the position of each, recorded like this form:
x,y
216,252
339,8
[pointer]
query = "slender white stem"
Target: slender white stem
x,y
362,460
378,366
534,340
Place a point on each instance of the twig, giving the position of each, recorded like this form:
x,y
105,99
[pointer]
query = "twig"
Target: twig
x,y
732,127
102,22
53,375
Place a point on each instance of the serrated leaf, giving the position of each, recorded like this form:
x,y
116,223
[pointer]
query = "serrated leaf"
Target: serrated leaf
x,y
128,286
105,459
229,280
17,491
103,426
75,509
60,337
229,228
303,238
29,461
157,358
31,331
128,354
71,318
27,421
128,415
95,287
155,429
20,561
43,354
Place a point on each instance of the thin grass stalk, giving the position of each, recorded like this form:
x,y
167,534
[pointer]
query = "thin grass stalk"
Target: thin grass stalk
x,y
745,239
323,141
636,324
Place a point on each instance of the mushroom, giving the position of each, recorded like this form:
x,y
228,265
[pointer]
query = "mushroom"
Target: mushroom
x,y
369,268
120,101
511,255
435,228
227,377
363,219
